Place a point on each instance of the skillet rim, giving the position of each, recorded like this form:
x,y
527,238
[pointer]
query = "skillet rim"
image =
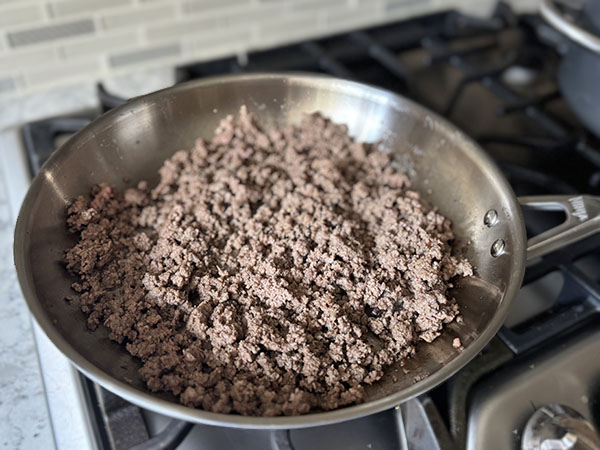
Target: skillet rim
x,y
146,399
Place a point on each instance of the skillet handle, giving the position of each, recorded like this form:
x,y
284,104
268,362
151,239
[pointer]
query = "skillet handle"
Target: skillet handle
x,y
583,220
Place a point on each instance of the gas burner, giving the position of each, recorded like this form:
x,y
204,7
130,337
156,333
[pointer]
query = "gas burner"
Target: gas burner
x,y
505,404
558,427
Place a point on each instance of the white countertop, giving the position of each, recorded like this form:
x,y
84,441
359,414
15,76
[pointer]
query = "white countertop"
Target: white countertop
x,y
25,421
24,418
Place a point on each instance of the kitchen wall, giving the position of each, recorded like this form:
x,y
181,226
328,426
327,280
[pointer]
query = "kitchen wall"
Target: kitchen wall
x,y
44,43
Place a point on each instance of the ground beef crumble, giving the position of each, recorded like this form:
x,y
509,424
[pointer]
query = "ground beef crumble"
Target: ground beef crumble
x,y
268,273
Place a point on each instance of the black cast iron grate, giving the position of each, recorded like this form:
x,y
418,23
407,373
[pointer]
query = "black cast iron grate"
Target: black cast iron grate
x,y
551,153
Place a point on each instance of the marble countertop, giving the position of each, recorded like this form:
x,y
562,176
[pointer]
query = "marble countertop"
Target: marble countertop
x,y
24,419
24,413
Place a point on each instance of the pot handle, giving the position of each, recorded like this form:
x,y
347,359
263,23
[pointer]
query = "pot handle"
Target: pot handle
x,y
550,12
583,220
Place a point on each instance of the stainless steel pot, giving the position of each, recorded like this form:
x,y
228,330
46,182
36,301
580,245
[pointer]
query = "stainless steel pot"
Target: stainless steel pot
x,y
131,142
580,65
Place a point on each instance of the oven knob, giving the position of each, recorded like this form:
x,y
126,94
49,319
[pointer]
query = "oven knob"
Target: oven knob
x,y
558,427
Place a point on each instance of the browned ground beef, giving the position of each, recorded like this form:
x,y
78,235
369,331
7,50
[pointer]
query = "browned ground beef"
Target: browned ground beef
x,y
267,273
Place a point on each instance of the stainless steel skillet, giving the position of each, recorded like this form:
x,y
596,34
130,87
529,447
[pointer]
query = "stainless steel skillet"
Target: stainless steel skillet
x,y
131,142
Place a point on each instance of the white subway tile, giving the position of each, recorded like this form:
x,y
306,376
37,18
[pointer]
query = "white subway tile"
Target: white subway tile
x,y
17,60
65,73
144,54
70,7
136,34
50,32
11,15
171,30
210,43
288,30
306,5
240,14
218,50
139,16
7,84
358,17
204,6
267,13
405,8
377,4
98,45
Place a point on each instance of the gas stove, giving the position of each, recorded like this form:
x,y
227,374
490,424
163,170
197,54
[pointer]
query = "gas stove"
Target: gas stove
x,y
495,79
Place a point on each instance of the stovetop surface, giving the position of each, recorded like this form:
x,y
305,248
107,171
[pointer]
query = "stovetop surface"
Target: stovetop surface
x,y
496,79
562,373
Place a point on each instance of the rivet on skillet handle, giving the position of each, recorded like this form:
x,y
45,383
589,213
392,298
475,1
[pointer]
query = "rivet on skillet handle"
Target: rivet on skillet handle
x,y
583,220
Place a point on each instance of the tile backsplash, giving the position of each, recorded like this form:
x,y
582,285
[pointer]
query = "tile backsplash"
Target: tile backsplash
x,y
45,43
